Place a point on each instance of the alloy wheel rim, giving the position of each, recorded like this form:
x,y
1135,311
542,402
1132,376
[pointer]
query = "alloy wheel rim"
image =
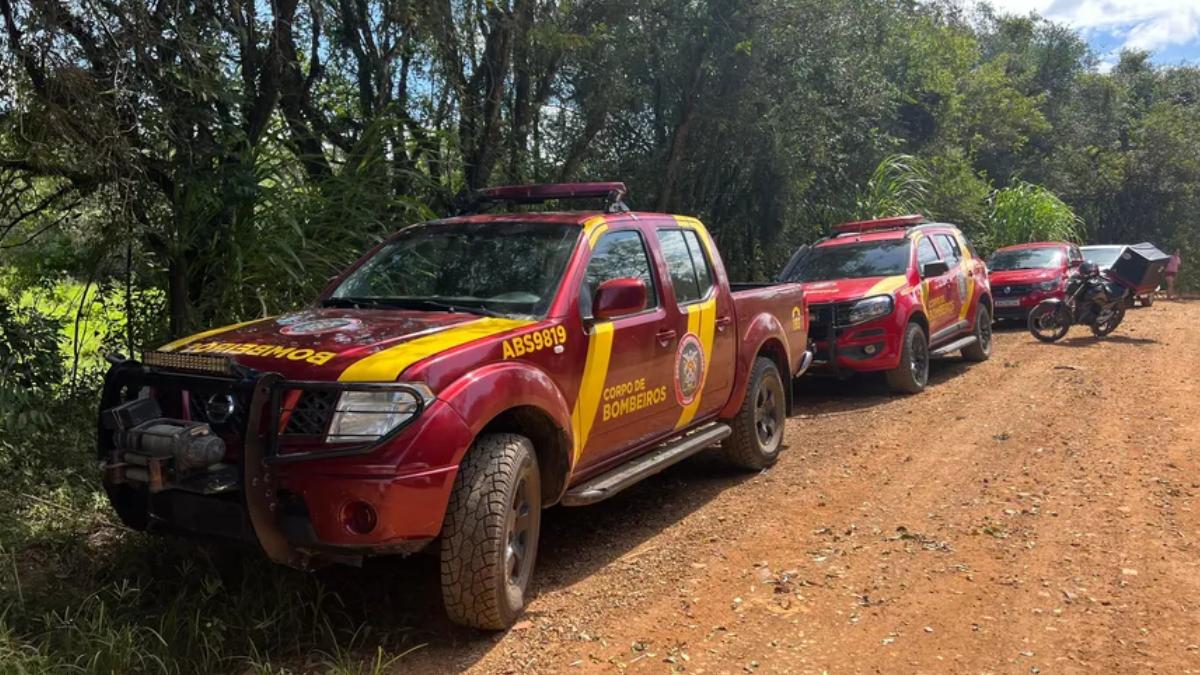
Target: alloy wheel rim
x,y
519,542
919,361
768,405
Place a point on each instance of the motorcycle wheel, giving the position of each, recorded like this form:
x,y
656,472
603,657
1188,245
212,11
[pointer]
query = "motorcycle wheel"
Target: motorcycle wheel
x,y
1049,322
1102,329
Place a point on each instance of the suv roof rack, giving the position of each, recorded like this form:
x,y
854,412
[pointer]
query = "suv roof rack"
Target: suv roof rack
x,y
878,224
613,192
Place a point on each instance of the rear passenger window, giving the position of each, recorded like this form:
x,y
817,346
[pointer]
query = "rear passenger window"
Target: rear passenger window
x,y
691,276
618,255
950,246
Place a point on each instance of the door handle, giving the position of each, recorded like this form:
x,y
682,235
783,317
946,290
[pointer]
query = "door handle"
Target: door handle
x,y
665,336
723,322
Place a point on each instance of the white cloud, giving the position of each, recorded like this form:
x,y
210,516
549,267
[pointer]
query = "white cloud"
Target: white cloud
x,y
1144,24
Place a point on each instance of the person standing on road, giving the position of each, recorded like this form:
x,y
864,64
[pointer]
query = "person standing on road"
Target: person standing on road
x,y
1172,271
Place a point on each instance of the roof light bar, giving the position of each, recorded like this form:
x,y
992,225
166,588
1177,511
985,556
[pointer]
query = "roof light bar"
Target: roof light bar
x,y
892,223
614,192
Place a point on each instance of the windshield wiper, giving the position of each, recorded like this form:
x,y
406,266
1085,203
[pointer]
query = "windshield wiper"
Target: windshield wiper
x,y
455,307
357,303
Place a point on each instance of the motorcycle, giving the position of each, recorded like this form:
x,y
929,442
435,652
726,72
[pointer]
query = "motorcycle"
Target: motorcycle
x,y
1090,298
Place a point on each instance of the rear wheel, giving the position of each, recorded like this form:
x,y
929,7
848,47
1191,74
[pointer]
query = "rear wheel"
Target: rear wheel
x,y
982,347
1049,321
757,437
911,376
490,535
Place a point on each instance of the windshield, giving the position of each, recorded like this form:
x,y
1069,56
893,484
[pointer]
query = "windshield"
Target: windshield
x,y
854,261
486,268
1025,259
1103,256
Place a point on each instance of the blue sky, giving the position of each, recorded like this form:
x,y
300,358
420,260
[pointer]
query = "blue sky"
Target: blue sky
x,y
1169,29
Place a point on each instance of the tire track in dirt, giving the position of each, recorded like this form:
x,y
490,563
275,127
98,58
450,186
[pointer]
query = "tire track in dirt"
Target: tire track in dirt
x,y
1032,513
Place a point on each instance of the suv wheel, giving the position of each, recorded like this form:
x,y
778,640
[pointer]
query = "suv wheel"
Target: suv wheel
x,y
982,347
758,428
912,374
490,536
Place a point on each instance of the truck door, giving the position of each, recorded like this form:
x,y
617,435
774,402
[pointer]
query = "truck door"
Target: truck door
x,y
959,287
629,390
940,307
703,357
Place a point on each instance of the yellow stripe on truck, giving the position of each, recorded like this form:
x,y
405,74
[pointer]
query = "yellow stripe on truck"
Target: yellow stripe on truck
x,y
183,342
591,385
702,321
886,286
387,365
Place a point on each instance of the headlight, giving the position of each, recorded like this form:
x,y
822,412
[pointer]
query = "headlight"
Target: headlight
x,y
869,308
365,416
1048,285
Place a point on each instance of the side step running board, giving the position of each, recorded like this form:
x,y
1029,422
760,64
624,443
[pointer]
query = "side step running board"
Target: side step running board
x,y
954,346
610,483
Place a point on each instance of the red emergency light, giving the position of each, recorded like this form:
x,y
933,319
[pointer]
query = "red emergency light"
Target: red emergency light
x,y
892,223
537,194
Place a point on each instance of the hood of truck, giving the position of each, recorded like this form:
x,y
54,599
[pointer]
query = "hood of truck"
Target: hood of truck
x,y
353,345
845,290
1030,276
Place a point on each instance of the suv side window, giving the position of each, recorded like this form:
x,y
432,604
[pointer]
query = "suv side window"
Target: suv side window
x,y
950,245
618,255
691,275
926,253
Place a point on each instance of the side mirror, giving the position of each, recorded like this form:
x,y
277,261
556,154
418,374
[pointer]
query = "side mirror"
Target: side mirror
x,y
618,297
934,269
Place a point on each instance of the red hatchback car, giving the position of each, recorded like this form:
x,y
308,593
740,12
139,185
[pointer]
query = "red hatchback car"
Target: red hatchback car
x,y
1025,274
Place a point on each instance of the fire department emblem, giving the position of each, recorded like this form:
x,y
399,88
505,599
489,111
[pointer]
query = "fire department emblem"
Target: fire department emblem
x,y
689,369
318,326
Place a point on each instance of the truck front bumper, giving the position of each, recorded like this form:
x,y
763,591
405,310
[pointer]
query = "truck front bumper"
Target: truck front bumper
x,y
302,502
843,350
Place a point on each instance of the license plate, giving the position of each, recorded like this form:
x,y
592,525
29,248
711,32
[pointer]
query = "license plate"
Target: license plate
x,y
1010,302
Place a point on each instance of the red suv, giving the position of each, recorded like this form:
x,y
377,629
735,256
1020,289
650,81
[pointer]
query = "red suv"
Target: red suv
x,y
1025,274
888,294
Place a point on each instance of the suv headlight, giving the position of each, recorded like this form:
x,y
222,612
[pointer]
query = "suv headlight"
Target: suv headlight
x,y
365,416
869,308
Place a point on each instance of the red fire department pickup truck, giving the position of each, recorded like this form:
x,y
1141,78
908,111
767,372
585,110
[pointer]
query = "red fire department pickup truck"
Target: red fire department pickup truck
x,y
457,379
888,294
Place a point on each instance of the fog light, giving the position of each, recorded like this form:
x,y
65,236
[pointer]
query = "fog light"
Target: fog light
x,y
359,517
869,350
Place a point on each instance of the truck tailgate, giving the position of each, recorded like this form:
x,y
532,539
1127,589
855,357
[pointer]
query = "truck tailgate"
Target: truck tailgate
x,y
781,303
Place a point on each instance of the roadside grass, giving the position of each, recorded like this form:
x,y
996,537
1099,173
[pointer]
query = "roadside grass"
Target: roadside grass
x,y
81,593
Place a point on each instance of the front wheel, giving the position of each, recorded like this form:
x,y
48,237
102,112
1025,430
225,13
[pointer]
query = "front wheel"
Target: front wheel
x,y
912,374
1049,322
757,437
1108,326
490,535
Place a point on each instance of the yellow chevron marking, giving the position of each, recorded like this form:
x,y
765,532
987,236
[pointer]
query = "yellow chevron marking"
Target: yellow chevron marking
x,y
591,385
702,321
388,364
967,265
183,342
886,286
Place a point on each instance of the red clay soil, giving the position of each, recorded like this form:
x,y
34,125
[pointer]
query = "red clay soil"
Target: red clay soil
x,y
1034,513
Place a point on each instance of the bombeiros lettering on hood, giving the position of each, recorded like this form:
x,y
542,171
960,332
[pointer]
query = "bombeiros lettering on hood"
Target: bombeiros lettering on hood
x,y
312,356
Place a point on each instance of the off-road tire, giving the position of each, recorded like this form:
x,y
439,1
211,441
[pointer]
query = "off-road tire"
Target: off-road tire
x,y
981,349
750,446
905,378
1148,299
478,588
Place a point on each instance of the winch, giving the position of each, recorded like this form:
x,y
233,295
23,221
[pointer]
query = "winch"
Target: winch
x,y
156,450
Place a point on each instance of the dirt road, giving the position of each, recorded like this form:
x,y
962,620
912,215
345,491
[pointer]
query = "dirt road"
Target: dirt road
x,y
1035,513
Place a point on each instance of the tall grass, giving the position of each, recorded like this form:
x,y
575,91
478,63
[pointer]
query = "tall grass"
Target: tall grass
x,y
899,186
1024,212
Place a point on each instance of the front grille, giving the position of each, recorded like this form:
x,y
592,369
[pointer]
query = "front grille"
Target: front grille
x,y
821,316
311,413
1012,290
